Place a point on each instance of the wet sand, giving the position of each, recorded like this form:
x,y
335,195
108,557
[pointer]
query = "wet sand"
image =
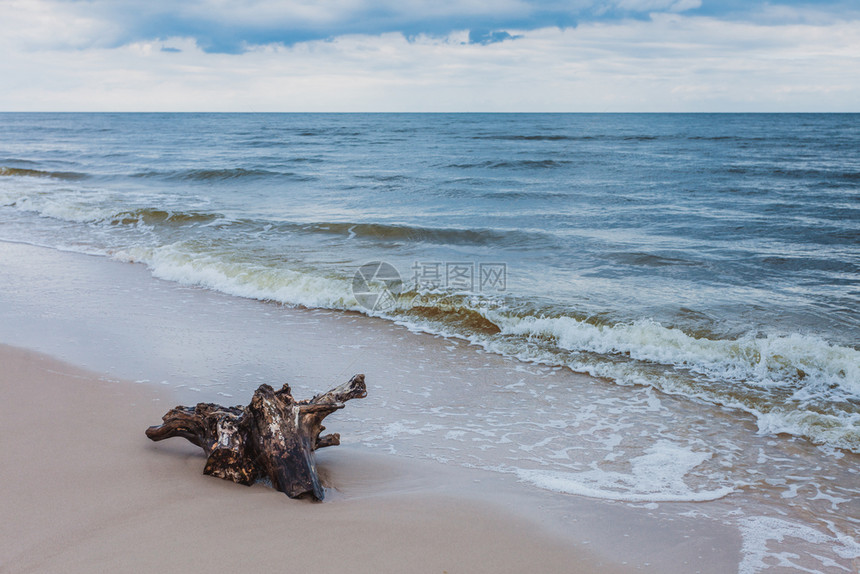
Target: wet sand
x,y
84,491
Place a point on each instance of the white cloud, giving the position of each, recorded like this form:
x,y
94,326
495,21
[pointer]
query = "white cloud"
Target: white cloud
x,y
669,63
38,24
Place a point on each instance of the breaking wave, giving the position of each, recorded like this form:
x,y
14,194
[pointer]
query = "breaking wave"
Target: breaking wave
x,y
793,383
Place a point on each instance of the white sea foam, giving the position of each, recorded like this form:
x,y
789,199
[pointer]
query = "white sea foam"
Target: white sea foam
x,y
656,476
798,384
759,531
764,361
67,205
814,371
240,278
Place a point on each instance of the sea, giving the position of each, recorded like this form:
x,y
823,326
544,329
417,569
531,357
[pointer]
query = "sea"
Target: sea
x,y
710,261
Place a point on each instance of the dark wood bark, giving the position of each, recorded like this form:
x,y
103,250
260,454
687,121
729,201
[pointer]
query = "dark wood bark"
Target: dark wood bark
x,y
274,437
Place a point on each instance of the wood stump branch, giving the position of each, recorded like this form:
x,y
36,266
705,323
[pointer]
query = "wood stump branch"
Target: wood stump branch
x,y
274,437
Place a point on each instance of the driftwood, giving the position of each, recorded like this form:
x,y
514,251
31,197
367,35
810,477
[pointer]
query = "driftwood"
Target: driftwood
x,y
274,437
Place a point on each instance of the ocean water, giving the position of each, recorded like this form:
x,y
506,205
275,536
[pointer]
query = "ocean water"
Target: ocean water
x,y
704,268
714,256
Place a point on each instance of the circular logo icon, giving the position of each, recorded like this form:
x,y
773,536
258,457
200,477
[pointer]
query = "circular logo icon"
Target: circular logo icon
x,y
376,286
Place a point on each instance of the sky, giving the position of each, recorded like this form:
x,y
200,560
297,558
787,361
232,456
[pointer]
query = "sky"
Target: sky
x,y
430,56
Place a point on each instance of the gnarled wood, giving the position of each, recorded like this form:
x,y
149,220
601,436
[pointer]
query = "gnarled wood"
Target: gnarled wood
x,y
275,436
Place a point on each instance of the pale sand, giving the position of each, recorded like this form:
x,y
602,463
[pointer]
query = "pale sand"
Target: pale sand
x,y
149,504
83,490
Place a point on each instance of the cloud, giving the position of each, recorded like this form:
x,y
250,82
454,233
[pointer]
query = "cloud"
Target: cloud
x,y
667,62
40,24
657,5
234,26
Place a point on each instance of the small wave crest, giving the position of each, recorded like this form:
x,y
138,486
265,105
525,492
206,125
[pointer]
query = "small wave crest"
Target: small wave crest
x,y
212,174
188,264
25,172
513,164
465,315
521,137
795,383
817,175
647,259
763,361
65,207
566,137
88,207
418,234
152,216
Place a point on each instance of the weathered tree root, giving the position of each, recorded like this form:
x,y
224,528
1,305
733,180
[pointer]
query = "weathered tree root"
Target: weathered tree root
x,y
275,436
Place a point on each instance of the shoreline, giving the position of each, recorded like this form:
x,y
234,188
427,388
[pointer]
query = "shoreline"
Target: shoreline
x,y
409,448
105,496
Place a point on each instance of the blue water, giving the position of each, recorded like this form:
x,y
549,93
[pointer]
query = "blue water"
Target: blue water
x,y
712,256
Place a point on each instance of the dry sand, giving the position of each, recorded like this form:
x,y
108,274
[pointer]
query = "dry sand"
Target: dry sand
x,y
83,490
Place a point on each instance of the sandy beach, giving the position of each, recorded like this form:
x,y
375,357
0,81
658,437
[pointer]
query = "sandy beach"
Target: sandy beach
x,y
87,490
592,269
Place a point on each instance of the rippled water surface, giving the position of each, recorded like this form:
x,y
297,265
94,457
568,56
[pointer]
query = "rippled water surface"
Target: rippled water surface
x,y
714,256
